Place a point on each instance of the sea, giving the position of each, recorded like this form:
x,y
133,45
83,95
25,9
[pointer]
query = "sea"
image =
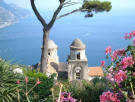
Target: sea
x,y
21,42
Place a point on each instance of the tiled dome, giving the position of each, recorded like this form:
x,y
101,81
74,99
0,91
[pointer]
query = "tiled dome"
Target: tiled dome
x,y
77,44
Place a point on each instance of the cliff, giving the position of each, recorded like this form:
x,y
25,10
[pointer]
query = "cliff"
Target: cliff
x,y
10,13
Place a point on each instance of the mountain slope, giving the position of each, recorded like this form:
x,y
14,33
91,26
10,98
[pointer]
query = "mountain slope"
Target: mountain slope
x,y
10,13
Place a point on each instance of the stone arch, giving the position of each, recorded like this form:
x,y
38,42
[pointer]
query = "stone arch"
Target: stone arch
x,y
77,73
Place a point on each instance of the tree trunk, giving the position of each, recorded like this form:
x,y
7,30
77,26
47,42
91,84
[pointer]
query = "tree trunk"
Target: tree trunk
x,y
44,53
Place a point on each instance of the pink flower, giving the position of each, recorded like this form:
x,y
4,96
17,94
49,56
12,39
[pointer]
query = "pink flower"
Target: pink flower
x,y
18,82
62,97
120,52
109,97
126,36
26,79
133,33
102,63
134,41
110,77
130,35
127,61
120,77
117,53
108,50
133,73
114,55
57,83
38,82
66,97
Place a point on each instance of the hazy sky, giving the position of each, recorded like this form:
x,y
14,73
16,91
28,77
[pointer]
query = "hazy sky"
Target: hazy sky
x,y
117,4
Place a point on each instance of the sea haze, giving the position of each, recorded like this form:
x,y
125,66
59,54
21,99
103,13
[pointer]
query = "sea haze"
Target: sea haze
x,y
21,42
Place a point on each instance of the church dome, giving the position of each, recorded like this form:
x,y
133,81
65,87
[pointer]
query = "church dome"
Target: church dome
x,y
77,44
52,45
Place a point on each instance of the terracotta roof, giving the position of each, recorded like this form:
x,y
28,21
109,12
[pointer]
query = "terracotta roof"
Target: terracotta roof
x,y
95,71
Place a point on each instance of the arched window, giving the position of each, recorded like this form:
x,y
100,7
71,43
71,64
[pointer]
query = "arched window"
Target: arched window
x,y
49,53
78,55
77,73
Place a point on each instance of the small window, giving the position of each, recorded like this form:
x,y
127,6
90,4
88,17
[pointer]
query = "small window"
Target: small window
x,y
78,75
78,55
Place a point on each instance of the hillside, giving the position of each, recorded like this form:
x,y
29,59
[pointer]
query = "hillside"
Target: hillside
x,y
10,13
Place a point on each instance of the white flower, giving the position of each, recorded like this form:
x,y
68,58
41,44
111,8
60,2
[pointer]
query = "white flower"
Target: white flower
x,y
18,70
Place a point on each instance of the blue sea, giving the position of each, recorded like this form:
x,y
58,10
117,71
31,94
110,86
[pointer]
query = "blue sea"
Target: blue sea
x,y
21,42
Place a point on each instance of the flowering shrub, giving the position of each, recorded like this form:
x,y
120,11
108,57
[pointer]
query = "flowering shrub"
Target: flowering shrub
x,y
13,85
26,91
121,73
78,91
41,83
66,97
63,96
109,96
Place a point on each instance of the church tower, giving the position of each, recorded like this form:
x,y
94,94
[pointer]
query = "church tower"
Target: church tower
x,y
52,52
53,59
77,61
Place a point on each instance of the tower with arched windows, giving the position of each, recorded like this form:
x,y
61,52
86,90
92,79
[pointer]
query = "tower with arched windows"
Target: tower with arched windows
x,y
77,61
52,51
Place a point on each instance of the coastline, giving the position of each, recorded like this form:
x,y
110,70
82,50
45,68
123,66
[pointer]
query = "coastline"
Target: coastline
x,y
6,24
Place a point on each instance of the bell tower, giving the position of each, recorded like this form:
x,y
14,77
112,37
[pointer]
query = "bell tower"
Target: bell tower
x,y
52,51
77,61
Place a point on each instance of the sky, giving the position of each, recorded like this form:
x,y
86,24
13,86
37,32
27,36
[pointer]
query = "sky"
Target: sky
x,y
47,4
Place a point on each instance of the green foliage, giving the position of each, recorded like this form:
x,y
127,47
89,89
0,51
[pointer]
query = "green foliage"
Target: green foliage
x,y
7,82
84,90
8,86
96,6
90,91
41,92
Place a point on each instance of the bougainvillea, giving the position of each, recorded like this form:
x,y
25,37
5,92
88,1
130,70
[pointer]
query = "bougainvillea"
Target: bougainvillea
x,y
127,61
66,97
108,50
109,96
120,77
121,73
102,63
